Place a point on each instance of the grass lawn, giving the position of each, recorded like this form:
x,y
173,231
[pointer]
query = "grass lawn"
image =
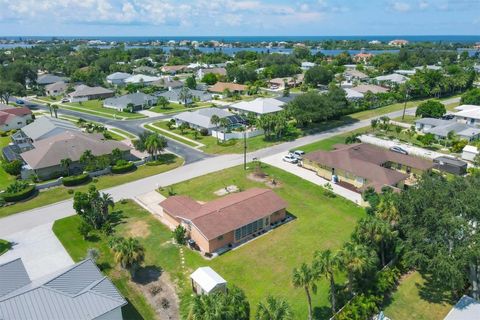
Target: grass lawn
x,y
264,265
4,246
177,107
231,146
327,144
5,178
96,107
115,136
116,130
171,136
407,302
60,193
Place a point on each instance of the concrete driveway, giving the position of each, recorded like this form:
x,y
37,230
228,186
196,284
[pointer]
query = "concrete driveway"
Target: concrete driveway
x,y
40,250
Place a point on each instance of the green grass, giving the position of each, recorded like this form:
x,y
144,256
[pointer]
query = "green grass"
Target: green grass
x,y
264,265
231,146
4,246
5,178
96,107
327,144
171,136
407,302
407,119
115,136
177,107
66,231
60,193
125,133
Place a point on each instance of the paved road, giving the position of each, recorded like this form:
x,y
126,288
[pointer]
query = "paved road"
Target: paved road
x,y
39,216
135,127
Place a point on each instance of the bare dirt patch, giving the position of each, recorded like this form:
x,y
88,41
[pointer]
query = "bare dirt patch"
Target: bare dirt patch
x,y
138,229
159,290
269,181
227,190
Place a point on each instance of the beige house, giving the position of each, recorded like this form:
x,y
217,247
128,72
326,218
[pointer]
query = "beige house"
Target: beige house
x,y
227,221
12,117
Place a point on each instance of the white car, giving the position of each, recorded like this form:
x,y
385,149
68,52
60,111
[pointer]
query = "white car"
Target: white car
x,y
298,154
65,100
290,158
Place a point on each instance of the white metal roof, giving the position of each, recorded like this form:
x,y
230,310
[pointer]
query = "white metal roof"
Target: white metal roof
x,y
465,107
207,278
473,113
352,94
469,148
466,308
141,78
259,105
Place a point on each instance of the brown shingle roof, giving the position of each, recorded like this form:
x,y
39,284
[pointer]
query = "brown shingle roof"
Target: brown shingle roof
x,y
221,86
365,160
225,214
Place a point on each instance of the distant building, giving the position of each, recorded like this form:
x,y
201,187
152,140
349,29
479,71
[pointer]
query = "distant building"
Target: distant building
x,y
258,106
141,79
77,292
84,93
307,65
137,100
45,79
398,43
145,70
364,88
174,96
393,78
173,69
353,95
220,87
216,71
362,57
351,75
118,78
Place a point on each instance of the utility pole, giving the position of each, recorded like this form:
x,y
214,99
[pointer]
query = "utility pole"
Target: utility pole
x,y
245,148
407,92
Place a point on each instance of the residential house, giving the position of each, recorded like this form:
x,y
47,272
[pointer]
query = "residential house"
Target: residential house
x,y
469,114
220,87
390,79
470,152
443,129
290,82
307,65
364,88
426,124
353,95
174,69
45,157
56,89
216,71
174,95
83,93
466,308
398,43
201,119
42,128
141,79
79,292
45,79
137,100
362,57
145,70
206,281
406,72
258,106
118,78
228,221
168,83
12,118
352,75
361,166
450,165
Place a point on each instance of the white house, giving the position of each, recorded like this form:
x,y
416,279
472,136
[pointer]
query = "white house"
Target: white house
x,y
307,65
469,114
118,78
141,78
469,152
205,281
258,106
352,94
12,118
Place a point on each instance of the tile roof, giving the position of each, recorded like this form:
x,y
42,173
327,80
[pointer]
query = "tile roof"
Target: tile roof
x,y
77,292
219,87
364,88
225,214
69,144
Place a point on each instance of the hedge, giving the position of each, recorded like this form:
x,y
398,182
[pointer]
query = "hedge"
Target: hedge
x,y
75,180
21,195
123,168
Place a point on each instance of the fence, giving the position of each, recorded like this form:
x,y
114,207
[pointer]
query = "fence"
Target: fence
x,y
236,134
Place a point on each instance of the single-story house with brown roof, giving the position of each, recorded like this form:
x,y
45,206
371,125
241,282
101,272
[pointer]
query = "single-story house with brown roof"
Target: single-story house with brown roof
x,y
84,93
361,165
12,117
56,89
45,157
227,221
364,88
174,69
220,87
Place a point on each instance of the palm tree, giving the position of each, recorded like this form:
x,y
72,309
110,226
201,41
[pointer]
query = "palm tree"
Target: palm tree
x,y
49,105
305,277
129,253
224,123
355,258
154,144
185,95
325,263
55,110
86,157
66,163
387,210
163,102
215,120
374,124
274,309
106,202
206,307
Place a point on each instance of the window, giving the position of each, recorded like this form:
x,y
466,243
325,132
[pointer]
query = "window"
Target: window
x,y
220,238
248,229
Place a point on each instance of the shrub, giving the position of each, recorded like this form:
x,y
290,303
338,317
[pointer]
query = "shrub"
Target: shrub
x,y
17,186
179,234
204,132
76,180
123,167
23,194
13,168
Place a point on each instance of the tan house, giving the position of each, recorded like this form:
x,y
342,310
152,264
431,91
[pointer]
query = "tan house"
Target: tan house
x,y
360,166
220,87
227,221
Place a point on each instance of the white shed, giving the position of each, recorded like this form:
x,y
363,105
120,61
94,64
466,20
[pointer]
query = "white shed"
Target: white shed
x,y
205,281
469,152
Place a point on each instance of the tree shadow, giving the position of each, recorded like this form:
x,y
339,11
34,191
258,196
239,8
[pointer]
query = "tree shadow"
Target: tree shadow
x,y
147,274
104,266
116,218
322,313
434,291
166,158
130,312
93,238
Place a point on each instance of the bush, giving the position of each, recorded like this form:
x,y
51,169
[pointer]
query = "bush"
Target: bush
x,y
180,235
13,168
23,194
123,167
204,132
76,180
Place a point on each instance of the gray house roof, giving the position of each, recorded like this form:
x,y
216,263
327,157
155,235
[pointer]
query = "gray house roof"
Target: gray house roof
x,y
49,79
47,126
202,117
77,292
12,276
466,309
137,99
173,95
85,91
459,128
433,122
118,76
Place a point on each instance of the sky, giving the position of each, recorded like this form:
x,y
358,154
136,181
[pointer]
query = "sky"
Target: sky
x,y
238,17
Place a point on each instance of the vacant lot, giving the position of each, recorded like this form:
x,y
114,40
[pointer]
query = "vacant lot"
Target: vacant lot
x,y
264,265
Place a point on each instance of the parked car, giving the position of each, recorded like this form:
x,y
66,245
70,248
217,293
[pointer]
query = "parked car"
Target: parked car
x,y
65,100
298,154
290,158
18,101
448,117
399,150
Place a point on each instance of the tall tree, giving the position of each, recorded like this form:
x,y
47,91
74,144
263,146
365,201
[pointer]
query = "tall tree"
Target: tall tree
x,y
215,120
326,263
305,277
185,95
65,164
355,259
155,144
129,253
274,308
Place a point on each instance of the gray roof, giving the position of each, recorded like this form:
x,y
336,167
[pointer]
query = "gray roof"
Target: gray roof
x,y
168,83
43,126
118,76
459,128
394,77
202,117
12,276
137,99
49,78
259,105
85,91
80,291
173,95
146,69
57,86
450,160
433,122
466,309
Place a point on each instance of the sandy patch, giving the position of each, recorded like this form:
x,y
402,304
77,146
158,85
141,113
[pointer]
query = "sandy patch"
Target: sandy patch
x,y
227,190
138,229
